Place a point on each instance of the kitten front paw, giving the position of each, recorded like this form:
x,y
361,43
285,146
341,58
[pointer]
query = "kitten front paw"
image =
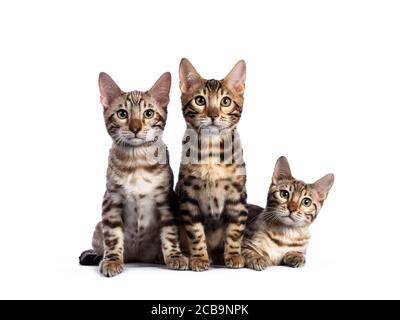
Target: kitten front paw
x,y
294,260
199,264
257,263
234,262
177,263
110,268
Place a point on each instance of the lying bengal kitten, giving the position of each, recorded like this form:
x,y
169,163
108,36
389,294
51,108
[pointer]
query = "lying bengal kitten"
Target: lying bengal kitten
x,y
138,223
279,235
211,188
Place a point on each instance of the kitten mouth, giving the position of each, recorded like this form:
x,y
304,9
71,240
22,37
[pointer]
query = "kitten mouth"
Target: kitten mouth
x,y
289,216
212,127
136,141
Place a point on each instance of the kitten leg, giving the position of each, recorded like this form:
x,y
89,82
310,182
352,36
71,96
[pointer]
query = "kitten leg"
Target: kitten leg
x,y
237,217
199,260
113,260
294,259
173,257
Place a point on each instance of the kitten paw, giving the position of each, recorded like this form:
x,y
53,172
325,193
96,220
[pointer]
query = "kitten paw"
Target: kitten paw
x,y
294,260
111,268
199,264
257,263
177,263
234,262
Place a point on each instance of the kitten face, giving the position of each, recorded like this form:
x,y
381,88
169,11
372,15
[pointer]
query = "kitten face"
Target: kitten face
x,y
212,104
135,118
292,202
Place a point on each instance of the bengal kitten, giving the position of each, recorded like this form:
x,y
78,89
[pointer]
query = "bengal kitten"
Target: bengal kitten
x,y
211,187
279,235
138,222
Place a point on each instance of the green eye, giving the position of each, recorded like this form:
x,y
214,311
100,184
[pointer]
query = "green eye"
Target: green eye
x,y
226,102
200,100
284,194
122,114
306,202
148,114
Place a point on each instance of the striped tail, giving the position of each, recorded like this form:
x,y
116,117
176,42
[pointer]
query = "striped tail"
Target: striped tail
x,y
90,258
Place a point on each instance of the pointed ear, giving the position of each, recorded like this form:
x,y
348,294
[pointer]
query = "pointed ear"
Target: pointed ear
x,y
282,170
236,79
109,90
160,90
323,185
188,75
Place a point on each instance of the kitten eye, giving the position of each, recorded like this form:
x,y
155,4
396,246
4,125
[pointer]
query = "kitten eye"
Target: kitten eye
x,y
200,100
148,114
226,102
306,202
285,194
122,114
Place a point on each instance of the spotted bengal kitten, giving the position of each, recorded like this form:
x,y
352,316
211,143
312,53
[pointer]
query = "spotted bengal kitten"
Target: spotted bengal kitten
x,y
138,222
279,235
211,188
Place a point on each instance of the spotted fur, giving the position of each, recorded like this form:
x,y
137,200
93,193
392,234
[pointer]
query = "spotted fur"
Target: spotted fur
x,y
138,222
211,188
279,235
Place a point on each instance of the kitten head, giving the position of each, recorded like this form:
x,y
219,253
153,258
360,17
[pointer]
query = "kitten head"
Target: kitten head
x,y
212,104
135,118
292,202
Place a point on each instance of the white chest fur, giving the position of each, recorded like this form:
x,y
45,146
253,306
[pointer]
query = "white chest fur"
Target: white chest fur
x,y
139,207
210,172
140,182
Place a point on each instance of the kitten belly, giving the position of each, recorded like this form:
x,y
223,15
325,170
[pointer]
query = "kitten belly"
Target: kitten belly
x,y
141,229
212,201
141,233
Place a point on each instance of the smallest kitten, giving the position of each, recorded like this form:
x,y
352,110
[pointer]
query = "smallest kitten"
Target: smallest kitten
x,y
279,235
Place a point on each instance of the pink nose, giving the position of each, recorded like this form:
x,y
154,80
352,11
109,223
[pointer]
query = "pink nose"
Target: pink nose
x,y
213,113
135,126
292,206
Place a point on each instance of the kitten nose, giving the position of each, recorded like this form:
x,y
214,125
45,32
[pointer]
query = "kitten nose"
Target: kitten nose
x,y
292,206
213,113
135,126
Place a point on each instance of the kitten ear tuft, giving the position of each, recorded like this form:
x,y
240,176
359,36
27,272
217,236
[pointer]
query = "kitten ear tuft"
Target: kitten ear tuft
x,y
160,90
109,90
282,170
323,185
188,75
236,79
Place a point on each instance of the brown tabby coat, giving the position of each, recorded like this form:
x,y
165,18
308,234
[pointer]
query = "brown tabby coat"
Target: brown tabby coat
x,y
211,188
279,235
138,224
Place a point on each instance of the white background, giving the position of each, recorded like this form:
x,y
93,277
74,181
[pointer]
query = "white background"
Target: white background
x,y
322,89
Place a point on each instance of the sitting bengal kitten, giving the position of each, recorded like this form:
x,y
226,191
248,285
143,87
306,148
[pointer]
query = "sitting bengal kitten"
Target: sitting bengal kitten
x,y
279,235
211,187
138,223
